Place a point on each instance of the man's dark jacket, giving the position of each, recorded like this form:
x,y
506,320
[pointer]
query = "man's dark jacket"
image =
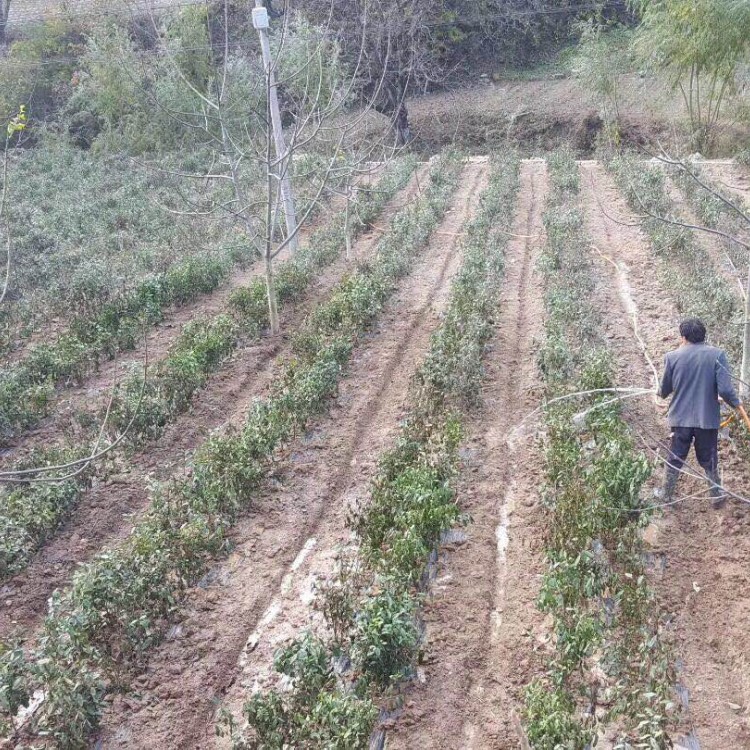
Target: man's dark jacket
x,y
697,374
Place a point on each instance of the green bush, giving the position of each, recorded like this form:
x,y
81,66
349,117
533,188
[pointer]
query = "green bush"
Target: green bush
x,y
14,692
38,68
31,512
551,721
386,637
405,519
313,713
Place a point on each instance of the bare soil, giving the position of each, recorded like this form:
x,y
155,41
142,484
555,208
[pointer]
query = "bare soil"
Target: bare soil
x,y
481,618
107,512
700,557
260,595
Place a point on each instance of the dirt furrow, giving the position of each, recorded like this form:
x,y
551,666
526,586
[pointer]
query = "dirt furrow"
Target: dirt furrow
x,y
299,521
700,556
106,512
482,609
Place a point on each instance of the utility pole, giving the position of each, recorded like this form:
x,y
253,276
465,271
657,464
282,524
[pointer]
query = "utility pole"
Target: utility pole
x,y
260,22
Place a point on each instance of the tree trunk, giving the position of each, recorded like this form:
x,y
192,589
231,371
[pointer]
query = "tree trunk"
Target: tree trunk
x,y
273,311
4,9
401,125
347,220
745,373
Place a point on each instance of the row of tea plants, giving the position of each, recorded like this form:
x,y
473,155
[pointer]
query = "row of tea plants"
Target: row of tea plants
x,y
608,669
713,212
112,314
119,605
372,640
30,513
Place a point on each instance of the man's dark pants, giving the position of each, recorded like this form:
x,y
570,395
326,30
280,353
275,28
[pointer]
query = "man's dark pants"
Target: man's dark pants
x,y
706,447
706,451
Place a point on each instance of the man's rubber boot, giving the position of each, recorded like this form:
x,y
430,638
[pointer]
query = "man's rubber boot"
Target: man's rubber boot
x,y
718,496
671,475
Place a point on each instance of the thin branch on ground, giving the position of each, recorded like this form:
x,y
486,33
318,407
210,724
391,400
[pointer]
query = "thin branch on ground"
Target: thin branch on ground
x,y
28,476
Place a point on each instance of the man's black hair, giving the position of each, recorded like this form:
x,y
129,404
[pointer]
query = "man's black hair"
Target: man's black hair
x,y
693,330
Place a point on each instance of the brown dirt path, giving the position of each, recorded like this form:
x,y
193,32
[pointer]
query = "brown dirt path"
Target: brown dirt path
x,y
298,522
481,614
106,512
701,557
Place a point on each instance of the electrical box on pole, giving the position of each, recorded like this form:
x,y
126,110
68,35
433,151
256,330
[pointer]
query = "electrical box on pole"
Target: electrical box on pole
x,y
283,159
260,17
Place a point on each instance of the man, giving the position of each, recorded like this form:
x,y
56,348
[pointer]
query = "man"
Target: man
x,y
696,375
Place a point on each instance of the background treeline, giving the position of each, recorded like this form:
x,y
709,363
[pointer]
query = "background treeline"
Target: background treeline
x,y
96,73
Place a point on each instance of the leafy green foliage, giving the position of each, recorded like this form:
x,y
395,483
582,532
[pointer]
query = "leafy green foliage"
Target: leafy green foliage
x,y
551,721
407,514
314,712
147,407
25,390
453,365
386,637
75,256
31,512
38,67
700,44
14,692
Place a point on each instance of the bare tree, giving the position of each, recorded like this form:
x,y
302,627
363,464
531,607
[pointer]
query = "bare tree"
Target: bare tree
x,y
389,44
235,120
4,11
